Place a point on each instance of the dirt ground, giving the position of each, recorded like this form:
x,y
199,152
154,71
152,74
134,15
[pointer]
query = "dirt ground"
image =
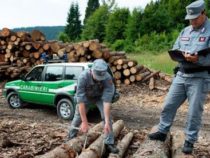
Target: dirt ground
x,y
35,129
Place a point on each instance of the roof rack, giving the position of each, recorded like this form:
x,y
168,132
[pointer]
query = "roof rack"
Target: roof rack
x,y
56,61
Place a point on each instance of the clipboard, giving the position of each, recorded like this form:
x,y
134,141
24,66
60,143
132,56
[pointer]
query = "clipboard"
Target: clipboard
x,y
176,55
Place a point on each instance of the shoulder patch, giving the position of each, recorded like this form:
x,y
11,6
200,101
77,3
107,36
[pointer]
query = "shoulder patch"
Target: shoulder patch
x,y
202,39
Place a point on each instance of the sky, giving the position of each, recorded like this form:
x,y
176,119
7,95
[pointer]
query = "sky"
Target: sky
x,y
26,13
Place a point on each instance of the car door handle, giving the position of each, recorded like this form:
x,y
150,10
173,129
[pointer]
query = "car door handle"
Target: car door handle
x,y
39,85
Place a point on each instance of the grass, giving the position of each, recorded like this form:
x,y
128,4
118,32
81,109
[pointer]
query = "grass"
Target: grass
x,y
160,62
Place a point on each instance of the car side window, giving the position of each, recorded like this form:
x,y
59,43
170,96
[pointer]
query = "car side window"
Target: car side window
x,y
54,73
35,74
73,72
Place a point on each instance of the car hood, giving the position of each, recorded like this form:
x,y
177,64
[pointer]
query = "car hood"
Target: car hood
x,y
13,84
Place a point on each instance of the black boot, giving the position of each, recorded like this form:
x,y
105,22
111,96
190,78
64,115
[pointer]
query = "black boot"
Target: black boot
x,y
188,147
112,148
158,136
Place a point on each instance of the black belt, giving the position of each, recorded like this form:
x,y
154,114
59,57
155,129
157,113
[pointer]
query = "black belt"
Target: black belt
x,y
194,70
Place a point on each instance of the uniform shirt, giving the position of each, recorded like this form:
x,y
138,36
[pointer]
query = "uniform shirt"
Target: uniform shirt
x,y
193,40
90,91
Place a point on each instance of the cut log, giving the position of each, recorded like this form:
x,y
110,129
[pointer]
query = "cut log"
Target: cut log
x,y
125,66
13,38
36,45
97,53
121,53
81,51
96,149
113,68
46,46
165,77
122,146
5,32
106,53
25,53
152,148
61,52
119,67
151,83
36,55
132,63
126,72
127,81
118,82
4,63
36,35
117,75
151,75
178,138
112,59
73,146
132,78
94,46
54,47
69,48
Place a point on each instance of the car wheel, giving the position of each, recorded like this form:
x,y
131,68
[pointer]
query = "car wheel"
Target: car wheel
x,y
14,100
65,109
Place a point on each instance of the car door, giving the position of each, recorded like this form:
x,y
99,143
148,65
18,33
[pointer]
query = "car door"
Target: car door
x,y
71,75
31,87
53,81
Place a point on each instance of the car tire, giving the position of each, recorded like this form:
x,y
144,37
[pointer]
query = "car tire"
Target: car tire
x,y
14,100
65,109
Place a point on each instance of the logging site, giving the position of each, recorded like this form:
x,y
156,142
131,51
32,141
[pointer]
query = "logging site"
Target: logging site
x,y
36,131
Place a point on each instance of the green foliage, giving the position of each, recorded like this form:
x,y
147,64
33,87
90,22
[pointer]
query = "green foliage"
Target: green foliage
x,y
207,7
73,27
115,28
177,11
155,18
63,37
157,62
94,27
118,45
156,42
91,7
133,27
51,32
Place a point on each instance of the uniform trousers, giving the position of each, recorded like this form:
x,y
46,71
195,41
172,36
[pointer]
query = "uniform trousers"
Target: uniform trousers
x,y
194,90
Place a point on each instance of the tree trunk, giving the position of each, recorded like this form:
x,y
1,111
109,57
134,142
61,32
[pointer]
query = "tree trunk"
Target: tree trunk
x,y
178,138
152,148
96,149
73,146
36,35
122,146
151,83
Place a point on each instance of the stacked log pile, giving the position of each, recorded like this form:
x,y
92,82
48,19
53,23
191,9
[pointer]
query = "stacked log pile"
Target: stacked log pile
x,y
19,51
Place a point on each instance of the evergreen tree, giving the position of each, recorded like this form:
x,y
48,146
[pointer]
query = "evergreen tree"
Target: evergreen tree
x,y
94,27
177,12
116,26
73,27
133,26
207,2
91,7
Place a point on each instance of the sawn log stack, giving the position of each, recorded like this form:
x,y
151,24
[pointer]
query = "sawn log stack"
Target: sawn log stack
x,y
19,51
